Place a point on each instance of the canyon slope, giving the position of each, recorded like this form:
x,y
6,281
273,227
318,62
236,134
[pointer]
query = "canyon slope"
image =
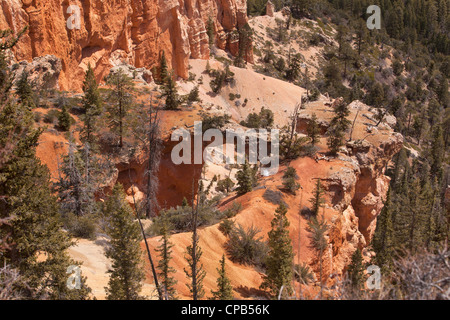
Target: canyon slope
x,y
113,32
135,32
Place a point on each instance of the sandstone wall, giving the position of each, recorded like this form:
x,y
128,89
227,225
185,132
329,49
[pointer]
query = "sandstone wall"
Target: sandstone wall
x,y
115,31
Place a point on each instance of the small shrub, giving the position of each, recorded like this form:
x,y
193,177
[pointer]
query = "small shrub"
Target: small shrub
x,y
81,227
246,247
52,116
225,185
226,226
275,197
37,116
236,207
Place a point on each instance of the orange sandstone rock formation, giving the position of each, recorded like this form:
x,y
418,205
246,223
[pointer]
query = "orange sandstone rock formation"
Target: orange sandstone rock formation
x,y
121,31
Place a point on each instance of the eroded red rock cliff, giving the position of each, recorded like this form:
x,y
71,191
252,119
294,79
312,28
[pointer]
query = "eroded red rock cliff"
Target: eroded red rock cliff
x,y
117,31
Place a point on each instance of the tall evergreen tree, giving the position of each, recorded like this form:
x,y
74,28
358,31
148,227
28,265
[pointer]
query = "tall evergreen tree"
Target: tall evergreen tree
x,y
165,270
314,130
92,105
318,228
244,178
170,92
163,69
356,270
384,236
35,242
280,257
224,288
25,91
64,119
317,201
122,99
339,125
289,180
126,274
194,252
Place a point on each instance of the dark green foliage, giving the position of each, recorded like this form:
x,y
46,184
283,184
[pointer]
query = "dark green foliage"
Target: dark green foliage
x,y
121,99
280,257
165,270
245,247
126,273
193,96
170,93
194,252
52,116
231,212
318,228
224,288
163,69
246,178
210,32
179,218
383,238
25,91
356,270
289,180
64,119
293,70
225,185
245,45
313,130
92,105
214,122
221,79
339,125
30,210
226,226
317,201
263,120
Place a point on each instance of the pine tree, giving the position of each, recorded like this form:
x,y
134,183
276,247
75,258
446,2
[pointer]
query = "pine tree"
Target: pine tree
x,y
314,130
280,257
224,288
92,105
169,91
122,100
165,252
25,91
193,254
244,178
356,270
437,152
64,119
339,125
126,274
384,236
317,201
289,180
210,32
163,69
35,242
318,228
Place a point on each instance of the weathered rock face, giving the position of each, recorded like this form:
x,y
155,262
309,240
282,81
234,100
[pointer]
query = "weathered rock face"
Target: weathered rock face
x,y
44,71
114,32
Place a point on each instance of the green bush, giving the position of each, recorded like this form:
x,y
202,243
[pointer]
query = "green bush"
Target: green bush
x,y
225,185
179,219
236,207
226,227
81,227
52,116
246,247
